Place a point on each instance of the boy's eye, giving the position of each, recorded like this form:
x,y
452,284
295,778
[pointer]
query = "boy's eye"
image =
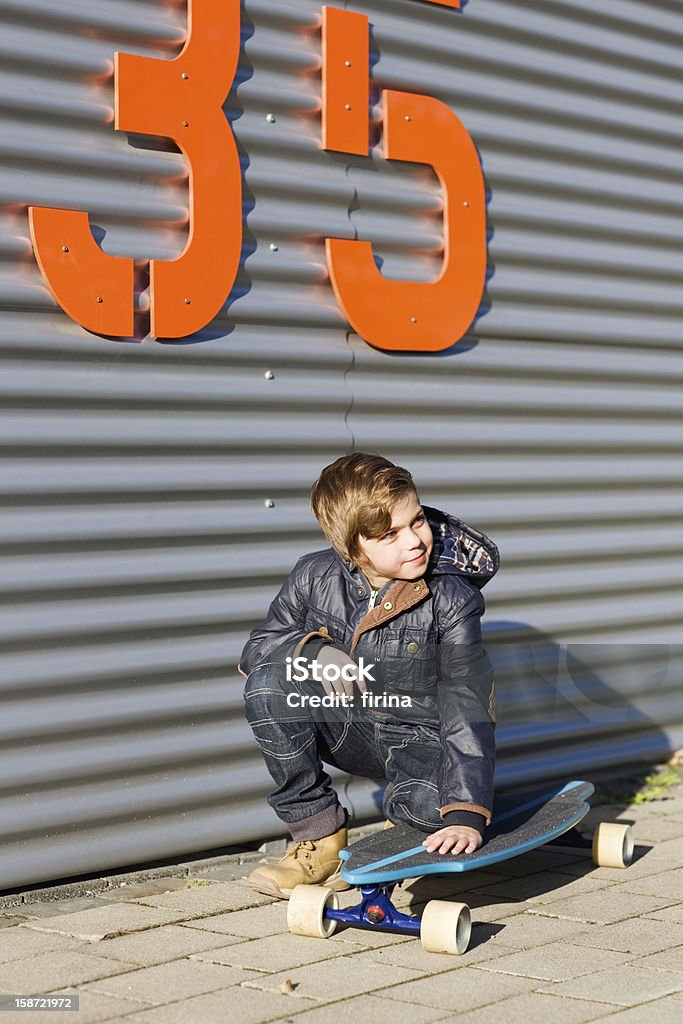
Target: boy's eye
x,y
390,535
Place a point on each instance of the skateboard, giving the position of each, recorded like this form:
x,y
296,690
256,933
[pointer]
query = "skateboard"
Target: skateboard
x,y
377,863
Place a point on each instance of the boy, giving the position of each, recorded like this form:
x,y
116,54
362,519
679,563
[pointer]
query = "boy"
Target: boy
x,y
370,659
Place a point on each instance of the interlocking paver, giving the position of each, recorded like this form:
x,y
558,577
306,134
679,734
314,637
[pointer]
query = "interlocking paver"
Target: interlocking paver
x,y
414,956
252,924
529,931
152,887
372,1008
666,960
672,913
663,1011
18,943
55,908
273,953
464,988
637,935
655,829
55,969
558,961
545,887
366,939
535,861
623,986
490,909
167,983
341,977
538,1008
601,907
158,945
645,864
667,884
106,922
206,900
239,1004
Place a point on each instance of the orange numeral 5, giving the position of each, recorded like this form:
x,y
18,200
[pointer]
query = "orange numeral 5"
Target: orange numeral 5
x,y
403,315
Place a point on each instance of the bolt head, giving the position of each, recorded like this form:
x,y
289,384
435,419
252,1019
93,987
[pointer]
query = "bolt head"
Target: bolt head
x,y
187,302
269,375
408,117
273,247
465,203
347,63
347,106
270,118
269,503
184,74
186,124
65,248
100,299
413,319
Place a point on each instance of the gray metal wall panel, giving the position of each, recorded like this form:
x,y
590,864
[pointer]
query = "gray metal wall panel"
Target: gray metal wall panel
x,y
137,545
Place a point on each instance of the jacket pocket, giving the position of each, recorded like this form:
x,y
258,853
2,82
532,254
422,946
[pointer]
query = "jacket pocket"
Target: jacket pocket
x,y
405,663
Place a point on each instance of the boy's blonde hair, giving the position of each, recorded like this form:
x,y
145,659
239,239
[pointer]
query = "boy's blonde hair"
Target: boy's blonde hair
x,y
355,496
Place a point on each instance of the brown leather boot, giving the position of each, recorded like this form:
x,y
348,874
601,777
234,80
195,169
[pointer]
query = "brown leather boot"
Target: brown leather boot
x,y
308,862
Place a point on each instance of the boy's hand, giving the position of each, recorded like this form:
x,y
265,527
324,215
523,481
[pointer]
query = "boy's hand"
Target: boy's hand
x,y
454,839
329,655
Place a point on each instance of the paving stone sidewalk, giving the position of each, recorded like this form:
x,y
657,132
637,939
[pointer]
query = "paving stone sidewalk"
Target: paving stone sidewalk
x,y
554,939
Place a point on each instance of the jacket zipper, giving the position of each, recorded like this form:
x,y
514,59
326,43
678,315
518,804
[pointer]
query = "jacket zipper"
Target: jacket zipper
x,y
373,598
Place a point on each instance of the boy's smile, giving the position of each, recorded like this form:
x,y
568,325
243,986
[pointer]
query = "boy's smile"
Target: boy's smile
x,y
403,552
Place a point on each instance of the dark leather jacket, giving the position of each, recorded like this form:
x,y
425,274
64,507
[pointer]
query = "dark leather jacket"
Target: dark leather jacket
x,y
423,636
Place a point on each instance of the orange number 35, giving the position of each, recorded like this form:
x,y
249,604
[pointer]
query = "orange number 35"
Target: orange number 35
x,y
181,99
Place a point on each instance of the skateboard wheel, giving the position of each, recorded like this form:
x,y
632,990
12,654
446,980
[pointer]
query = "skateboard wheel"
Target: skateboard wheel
x,y
612,845
445,927
306,911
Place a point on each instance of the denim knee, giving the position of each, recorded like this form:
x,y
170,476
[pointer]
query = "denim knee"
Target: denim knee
x,y
265,694
414,802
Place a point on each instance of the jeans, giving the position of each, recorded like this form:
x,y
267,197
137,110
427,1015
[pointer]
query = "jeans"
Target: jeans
x,y
295,741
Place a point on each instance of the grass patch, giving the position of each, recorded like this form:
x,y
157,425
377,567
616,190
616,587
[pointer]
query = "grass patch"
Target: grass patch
x,y
196,883
640,788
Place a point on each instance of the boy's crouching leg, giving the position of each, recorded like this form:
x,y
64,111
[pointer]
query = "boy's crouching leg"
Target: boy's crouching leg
x,y
303,798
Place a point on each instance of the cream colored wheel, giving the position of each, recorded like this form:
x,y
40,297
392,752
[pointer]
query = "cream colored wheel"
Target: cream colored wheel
x,y
612,845
445,927
306,911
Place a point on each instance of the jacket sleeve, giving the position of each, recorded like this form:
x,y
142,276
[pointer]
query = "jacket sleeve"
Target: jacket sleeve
x,y
282,634
467,714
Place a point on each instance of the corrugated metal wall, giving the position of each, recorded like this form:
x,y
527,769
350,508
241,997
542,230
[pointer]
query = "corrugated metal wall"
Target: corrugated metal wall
x,y
153,495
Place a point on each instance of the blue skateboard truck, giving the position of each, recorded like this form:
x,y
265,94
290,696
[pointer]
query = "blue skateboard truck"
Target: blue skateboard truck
x,y
377,863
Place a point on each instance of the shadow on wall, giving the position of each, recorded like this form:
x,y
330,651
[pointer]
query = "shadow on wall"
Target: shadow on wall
x,y
565,710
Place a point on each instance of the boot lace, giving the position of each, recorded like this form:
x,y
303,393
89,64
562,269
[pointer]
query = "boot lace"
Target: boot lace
x,y
301,851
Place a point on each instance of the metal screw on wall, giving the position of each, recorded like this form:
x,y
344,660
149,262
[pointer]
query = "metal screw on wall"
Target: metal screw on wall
x,y
269,503
274,247
269,375
270,118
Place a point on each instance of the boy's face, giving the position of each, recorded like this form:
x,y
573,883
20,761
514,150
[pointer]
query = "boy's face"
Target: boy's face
x,y
403,552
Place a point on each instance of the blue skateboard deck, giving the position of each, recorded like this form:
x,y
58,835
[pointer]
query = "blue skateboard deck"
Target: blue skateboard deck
x,y
519,824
